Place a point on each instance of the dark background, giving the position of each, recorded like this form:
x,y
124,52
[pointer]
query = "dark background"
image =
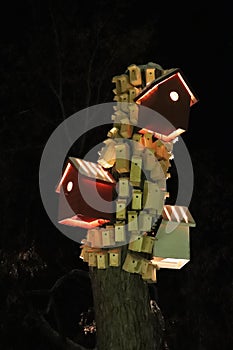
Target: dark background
x,y
58,57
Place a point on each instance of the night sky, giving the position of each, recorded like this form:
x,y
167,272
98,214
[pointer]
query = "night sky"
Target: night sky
x,y
49,45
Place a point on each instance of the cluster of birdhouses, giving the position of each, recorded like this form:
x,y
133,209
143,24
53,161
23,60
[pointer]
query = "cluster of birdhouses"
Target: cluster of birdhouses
x,y
130,176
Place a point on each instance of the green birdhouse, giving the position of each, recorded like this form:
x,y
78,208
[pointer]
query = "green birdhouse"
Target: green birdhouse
x,y
172,246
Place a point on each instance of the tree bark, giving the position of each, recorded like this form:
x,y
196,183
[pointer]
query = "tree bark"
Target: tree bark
x,y
123,314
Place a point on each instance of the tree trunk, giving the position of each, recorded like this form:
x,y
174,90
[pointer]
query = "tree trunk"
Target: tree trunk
x,y
123,314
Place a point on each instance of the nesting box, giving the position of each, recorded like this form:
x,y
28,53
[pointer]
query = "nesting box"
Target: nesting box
x,y
126,129
153,197
135,76
115,257
150,273
107,155
137,144
102,259
81,188
171,96
136,170
122,157
92,257
123,187
137,200
132,263
145,221
136,242
149,160
121,209
172,246
94,237
132,221
120,235
108,236
84,253
147,244
133,113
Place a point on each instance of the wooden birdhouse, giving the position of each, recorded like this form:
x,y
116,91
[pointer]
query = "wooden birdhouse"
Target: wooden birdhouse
x,y
132,221
123,187
150,272
153,197
81,188
120,235
172,245
132,263
94,237
108,236
171,96
114,257
136,170
136,241
121,209
102,259
92,257
122,157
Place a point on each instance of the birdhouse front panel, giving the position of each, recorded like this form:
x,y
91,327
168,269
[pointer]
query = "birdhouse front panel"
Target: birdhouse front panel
x,y
174,244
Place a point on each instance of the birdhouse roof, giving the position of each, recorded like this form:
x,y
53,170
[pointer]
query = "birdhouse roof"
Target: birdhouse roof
x,y
174,72
178,214
86,168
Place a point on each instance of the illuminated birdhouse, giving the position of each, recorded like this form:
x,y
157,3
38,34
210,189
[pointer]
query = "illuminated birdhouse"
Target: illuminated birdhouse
x,y
92,257
81,189
136,170
171,96
172,246
142,243
115,257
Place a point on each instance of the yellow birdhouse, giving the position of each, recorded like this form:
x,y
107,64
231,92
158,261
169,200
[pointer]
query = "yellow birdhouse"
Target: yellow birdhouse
x,y
108,236
132,263
153,197
132,221
133,113
92,257
115,257
136,242
123,187
135,170
137,145
121,209
135,77
102,259
84,255
149,160
120,235
150,273
122,157
126,129
147,244
172,246
145,221
137,200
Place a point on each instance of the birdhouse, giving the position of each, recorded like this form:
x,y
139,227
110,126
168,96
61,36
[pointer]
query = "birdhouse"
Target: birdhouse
x,y
108,236
153,197
150,272
172,246
136,170
132,263
147,244
136,241
145,221
102,259
123,187
84,255
171,96
121,209
120,235
137,145
149,160
107,155
126,129
114,257
157,173
94,237
122,157
133,113
135,76
92,257
82,185
132,221
137,200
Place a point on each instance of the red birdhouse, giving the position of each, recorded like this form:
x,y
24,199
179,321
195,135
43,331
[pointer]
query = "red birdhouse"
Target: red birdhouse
x,y
171,96
85,194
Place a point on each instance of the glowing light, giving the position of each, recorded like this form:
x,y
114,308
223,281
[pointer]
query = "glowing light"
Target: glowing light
x,y
174,96
69,186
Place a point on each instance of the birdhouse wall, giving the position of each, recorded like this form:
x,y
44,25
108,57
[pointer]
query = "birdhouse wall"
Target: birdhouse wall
x,y
174,244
